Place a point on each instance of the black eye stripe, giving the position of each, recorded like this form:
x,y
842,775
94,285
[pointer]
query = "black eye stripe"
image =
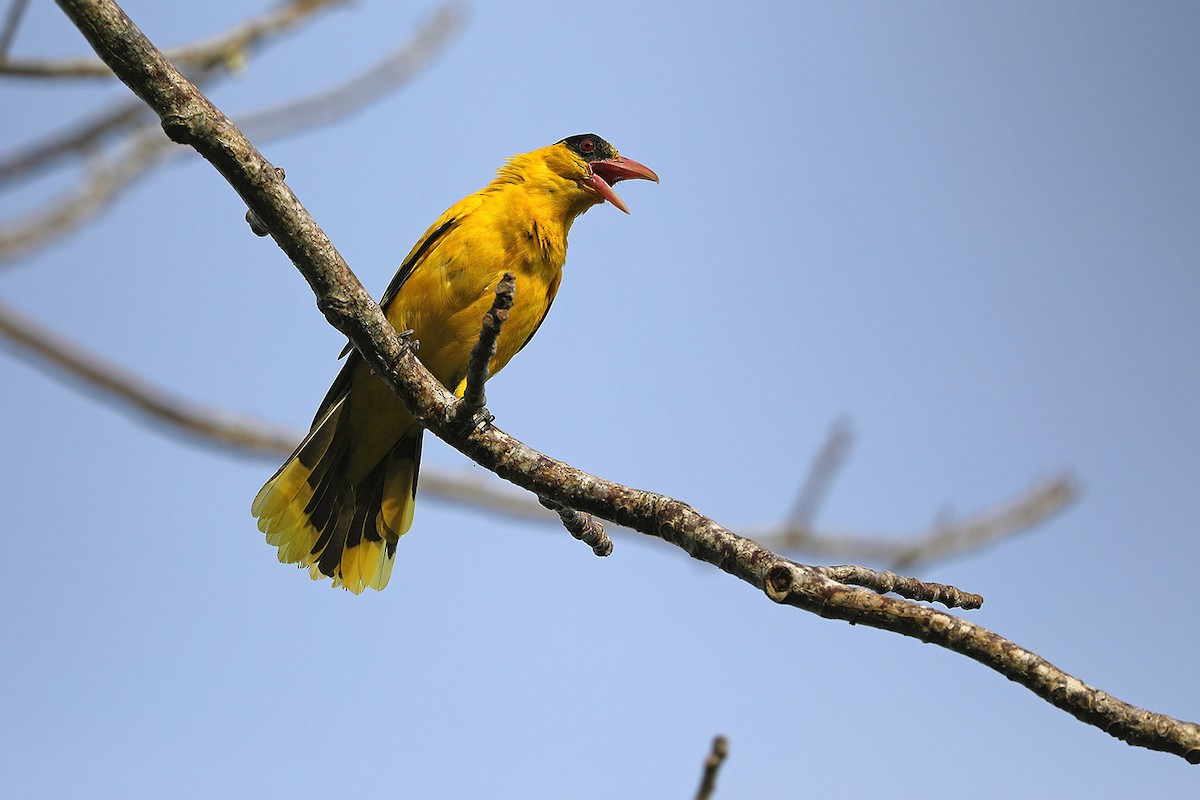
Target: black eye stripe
x,y
590,146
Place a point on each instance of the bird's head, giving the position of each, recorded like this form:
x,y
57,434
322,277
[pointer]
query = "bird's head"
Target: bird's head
x,y
595,165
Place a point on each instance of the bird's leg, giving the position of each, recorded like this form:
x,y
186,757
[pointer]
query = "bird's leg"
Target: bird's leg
x,y
408,340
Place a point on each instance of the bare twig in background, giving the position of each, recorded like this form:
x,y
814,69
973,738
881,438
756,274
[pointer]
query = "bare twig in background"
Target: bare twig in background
x,y
944,538
359,91
1032,507
189,118
141,145
829,457
712,765
104,179
225,50
221,52
149,402
79,140
12,21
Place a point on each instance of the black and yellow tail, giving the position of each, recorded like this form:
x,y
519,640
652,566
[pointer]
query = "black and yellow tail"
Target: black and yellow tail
x,y
321,517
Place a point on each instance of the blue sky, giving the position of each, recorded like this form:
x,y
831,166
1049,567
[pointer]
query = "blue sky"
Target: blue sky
x,y
972,230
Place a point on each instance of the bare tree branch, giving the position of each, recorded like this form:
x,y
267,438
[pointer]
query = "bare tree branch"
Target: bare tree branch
x,y
225,50
189,118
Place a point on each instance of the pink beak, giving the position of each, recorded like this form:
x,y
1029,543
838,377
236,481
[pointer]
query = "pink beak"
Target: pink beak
x,y
613,170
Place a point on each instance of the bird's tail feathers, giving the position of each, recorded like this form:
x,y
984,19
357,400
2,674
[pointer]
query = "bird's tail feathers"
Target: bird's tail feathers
x,y
339,529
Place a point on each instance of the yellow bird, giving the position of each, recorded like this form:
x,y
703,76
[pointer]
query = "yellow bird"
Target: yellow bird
x,y
343,499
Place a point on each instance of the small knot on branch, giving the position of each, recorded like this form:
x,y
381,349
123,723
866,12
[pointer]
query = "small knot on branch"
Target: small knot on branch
x,y
778,582
583,527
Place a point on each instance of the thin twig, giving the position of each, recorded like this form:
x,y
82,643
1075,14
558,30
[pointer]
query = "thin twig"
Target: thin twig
x,y
80,139
474,398
227,49
105,179
821,473
386,75
190,118
974,532
911,588
712,765
583,527
12,21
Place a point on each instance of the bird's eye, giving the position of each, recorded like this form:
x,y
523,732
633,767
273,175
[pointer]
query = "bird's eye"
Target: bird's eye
x,y
587,146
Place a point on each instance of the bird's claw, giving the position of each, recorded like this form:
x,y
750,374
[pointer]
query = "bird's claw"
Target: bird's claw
x,y
480,421
475,421
408,340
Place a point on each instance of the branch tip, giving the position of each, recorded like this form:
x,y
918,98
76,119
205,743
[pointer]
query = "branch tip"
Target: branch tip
x,y
583,527
712,765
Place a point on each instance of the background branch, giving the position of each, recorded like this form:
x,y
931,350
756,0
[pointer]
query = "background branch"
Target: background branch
x,y
145,399
12,20
139,145
189,118
227,50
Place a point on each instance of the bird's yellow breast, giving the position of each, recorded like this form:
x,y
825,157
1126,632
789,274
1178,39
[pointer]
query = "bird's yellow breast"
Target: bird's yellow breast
x,y
444,300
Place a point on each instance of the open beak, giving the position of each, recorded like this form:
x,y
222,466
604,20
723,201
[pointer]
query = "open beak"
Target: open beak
x,y
612,170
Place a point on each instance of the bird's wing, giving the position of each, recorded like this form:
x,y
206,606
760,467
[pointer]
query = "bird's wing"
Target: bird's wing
x,y
428,243
419,255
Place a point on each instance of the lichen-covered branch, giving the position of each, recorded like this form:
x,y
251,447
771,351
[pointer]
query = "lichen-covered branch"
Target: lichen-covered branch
x,y
189,118
583,527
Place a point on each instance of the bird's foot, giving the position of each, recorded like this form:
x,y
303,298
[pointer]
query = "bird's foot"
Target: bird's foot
x,y
409,341
471,421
